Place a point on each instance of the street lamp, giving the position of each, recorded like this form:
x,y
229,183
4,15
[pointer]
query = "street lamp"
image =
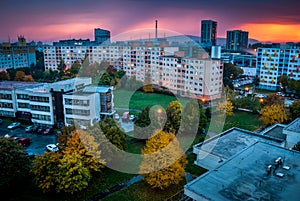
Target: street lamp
x,y
261,100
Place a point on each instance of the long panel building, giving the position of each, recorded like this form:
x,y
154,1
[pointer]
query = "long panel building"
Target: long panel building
x,y
185,74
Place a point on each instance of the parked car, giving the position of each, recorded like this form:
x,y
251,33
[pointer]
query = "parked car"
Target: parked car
x,y
1,121
11,136
14,125
52,148
35,128
48,131
117,116
82,127
29,129
132,117
40,130
24,141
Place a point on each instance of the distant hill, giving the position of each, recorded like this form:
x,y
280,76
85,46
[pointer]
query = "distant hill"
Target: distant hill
x,y
186,38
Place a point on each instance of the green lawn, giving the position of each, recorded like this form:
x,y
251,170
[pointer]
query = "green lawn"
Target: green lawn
x,y
141,191
140,100
244,120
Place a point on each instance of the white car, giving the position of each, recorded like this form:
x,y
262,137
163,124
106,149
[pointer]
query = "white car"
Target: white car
x,y
52,148
14,125
132,117
117,116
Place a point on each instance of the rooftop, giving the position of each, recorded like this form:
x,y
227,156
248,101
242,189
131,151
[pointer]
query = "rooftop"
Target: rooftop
x,y
275,131
244,176
13,85
294,126
97,89
225,145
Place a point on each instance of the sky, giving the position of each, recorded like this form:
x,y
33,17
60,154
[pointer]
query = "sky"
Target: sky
x,y
47,21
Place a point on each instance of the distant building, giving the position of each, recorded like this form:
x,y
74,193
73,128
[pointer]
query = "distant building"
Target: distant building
x,y
236,40
274,62
101,35
208,33
16,55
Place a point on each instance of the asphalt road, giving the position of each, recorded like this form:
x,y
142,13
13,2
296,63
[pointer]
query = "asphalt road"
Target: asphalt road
x,y
38,142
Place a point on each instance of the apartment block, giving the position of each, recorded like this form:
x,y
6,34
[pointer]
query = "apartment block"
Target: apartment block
x,y
274,62
236,40
208,32
168,65
16,55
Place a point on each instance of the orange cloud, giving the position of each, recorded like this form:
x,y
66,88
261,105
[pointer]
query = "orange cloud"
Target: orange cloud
x,y
273,32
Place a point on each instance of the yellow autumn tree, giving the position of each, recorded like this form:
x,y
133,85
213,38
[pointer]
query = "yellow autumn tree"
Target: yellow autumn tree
x,y
69,170
86,147
273,114
163,160
225,107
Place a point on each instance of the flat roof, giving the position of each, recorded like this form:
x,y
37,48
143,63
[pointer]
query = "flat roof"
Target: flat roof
x,y
13,85
233,141
244,177
275,131
71,81
294,126
40,88
97,89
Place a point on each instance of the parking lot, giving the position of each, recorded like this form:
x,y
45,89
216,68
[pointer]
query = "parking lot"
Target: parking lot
x,y
38,142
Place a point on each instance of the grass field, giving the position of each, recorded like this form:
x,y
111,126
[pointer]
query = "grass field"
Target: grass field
x,y
141,191
139,100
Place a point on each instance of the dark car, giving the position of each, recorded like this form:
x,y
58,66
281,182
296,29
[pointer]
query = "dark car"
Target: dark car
x,y
35,128
49,131
24,141
1,121
40,130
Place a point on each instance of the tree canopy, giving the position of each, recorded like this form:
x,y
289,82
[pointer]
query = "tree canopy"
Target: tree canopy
x,y
273,114
163,160
15,164
173,111
295,110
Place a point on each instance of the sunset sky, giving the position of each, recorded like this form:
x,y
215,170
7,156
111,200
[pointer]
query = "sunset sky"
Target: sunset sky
x,y
266,20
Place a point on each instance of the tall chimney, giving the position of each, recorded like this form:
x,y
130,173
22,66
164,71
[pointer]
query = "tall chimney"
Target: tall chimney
x,y
155,29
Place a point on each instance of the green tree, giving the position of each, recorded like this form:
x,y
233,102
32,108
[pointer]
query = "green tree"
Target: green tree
x,y
273,114
14,163
113,132
230,73
284,81
295,110
61,67
75,68
163,160
105,78
173,111
247,103
145,123
4,75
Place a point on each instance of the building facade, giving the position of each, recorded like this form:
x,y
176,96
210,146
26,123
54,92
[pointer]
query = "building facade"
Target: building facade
x,y
208,33
169,66
17,55
236,40
274,62
101,35
40,103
